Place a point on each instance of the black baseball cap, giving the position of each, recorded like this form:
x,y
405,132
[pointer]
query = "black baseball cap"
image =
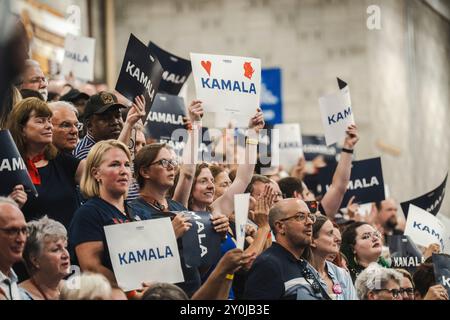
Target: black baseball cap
x,y
73,95
101,102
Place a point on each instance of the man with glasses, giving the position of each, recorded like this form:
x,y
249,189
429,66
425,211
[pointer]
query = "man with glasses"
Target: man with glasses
x,y
280,272
33,78
65,126
13,235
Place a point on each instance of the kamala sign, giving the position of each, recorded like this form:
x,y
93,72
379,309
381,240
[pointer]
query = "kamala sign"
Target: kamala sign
x,y
150,253
227,84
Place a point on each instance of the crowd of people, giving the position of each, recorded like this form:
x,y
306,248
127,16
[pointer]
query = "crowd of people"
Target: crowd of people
x,y
88,175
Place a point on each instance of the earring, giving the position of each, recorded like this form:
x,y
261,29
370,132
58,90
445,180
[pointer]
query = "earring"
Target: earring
x,y
354,258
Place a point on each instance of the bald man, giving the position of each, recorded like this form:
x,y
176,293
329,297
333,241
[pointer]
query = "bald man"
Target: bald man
x,y
280,272
13,234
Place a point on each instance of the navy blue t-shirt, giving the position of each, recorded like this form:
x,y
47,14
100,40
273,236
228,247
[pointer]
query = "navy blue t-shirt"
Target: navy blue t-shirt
x,y
89,220
57,197
191,275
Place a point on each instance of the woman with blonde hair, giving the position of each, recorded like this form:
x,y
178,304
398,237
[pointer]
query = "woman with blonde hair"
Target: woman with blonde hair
x,y
105,183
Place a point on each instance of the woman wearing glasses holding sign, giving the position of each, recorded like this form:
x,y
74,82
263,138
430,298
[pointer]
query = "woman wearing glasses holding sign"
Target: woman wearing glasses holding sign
x,y
155,170
361,245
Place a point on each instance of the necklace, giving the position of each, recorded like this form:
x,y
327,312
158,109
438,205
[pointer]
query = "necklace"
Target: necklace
x,y
154,203
39,288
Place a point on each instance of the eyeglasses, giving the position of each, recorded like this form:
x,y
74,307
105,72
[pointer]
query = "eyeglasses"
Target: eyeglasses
x,y
409,291
67,126
369,235
301,216
165,163
394,292
14,232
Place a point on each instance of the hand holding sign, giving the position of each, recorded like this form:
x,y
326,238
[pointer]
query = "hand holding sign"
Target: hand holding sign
x,y
181,224
195,110
137,111
19,195
351,137
234,260
257,121
437,292
432,248
220,223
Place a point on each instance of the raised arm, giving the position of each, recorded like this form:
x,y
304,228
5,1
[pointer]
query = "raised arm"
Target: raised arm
x,y
218,284
261,218
190,154
225,203
136,113
332,199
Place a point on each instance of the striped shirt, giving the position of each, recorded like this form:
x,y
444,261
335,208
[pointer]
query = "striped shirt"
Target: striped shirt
x,y
83,147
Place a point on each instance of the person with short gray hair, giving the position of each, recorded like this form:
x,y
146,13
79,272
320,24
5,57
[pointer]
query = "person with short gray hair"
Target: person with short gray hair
x,y
378,283
66,127
46,258
13,235
34,79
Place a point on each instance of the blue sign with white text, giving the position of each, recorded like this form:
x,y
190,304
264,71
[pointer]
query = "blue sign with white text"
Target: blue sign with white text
x,y
271,102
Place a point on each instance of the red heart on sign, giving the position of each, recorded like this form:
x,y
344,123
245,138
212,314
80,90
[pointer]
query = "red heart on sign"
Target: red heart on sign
x,y
207,66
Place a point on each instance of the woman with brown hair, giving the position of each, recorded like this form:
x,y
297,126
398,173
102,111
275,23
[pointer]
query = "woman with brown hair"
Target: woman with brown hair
x,y
55,175
334,280
361,245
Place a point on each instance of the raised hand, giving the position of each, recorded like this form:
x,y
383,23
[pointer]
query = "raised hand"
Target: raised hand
x,y
234,260
220,223
352,137
181,224
19,195
257,121
195,110
263,205
137,111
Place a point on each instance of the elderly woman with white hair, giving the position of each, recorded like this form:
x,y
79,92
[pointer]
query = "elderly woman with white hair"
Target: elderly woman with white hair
x,y
87,286
46,258
378,283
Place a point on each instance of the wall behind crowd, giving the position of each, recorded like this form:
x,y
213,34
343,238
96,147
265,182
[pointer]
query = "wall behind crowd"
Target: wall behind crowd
x,y
398,75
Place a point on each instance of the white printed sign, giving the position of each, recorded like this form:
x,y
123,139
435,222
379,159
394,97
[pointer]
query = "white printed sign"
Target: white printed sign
x,y
144,251
227,84
241,204
79,57
446,222
290,144
424,228
337,115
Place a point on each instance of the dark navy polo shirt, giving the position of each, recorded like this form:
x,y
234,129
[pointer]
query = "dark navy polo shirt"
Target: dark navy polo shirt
x,y
277,274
